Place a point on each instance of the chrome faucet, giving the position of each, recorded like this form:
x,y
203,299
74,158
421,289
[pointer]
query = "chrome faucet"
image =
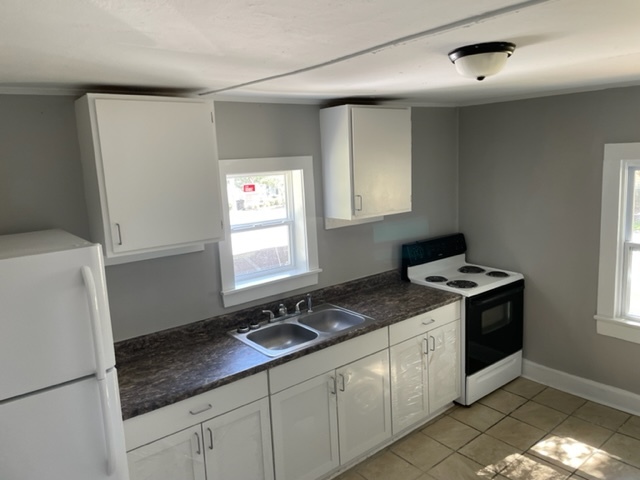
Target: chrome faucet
x,y
298,306
282,310
271,315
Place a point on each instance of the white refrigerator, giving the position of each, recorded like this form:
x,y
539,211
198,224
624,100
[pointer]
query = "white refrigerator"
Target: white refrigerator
x,y
60,414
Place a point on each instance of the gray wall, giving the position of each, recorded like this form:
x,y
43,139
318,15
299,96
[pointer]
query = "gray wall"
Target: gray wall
x,y
40,176
41,187
530,186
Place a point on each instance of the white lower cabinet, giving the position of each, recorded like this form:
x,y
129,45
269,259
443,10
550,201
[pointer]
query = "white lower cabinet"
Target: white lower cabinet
x,y
233,446
227,443
332,418
178,456
364,405
237,445
305,429
425,368
444,365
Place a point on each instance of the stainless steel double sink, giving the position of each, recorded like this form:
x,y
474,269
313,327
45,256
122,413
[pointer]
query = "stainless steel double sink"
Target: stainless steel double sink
x,y
298,331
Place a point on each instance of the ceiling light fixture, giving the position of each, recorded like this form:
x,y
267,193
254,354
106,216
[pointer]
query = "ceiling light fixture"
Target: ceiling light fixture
x,y
481,60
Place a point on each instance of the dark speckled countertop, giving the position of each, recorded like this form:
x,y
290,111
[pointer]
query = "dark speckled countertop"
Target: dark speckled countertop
x,y
165,367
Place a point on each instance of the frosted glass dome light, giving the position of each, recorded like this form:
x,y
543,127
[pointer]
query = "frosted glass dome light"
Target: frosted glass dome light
x,y
481,60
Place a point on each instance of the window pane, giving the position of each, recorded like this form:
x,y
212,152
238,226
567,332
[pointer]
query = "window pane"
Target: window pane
x,y
634,287
258,250
256,198
635,227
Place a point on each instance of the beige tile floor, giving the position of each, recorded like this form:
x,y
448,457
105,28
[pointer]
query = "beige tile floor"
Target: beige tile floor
x,y
525,430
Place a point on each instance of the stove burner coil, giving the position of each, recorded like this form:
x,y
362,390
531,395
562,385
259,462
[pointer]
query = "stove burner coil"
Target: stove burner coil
x,y
436,279
471,269
498,274
462,284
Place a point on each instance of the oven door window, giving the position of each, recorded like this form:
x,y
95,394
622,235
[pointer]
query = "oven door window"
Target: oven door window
x,y
494,324
495,318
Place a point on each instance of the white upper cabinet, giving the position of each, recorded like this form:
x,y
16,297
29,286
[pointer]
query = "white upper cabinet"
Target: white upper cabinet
x,y
151,174
366,160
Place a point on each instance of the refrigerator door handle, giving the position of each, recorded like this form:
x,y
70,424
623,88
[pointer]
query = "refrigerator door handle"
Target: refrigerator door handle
x,y
96,327
101,372
107,422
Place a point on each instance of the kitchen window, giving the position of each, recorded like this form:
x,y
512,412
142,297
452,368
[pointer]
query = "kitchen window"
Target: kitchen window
x,y
270,244
618,313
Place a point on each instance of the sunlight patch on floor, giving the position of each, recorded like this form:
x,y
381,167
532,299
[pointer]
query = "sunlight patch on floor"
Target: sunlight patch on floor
x,y
568,451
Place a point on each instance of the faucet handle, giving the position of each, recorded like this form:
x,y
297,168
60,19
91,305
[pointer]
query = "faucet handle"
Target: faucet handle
x,y
298,305
271,315
309,303
282,310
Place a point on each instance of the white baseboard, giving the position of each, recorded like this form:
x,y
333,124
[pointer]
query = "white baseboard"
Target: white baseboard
x,y
598,392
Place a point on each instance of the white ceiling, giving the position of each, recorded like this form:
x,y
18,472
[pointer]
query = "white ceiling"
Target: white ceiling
x,y
316,50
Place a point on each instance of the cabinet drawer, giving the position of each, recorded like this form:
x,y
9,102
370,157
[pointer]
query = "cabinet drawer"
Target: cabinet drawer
x,y
309,366
424,322
164,421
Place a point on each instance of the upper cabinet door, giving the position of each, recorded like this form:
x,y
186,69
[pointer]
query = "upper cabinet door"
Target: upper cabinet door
x,y
151,172
366,162
381,144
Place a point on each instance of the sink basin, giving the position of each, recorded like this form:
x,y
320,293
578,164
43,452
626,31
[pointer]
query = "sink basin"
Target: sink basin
x,y
331,320
298,331
281,336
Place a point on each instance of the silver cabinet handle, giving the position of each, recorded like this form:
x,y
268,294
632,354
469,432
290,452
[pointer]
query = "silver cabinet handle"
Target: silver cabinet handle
x,y
433,346
425,342
199,450
119,234
342,388
210,438
204,408
429,322
332,385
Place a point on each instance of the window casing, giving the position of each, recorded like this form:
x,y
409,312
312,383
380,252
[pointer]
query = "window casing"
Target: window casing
x,y
270,244
618,310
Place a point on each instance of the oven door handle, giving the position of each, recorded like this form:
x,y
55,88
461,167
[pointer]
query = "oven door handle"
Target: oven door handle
x,y
496,299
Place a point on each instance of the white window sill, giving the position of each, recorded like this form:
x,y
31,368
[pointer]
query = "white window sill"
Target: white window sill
x,y
619,328
247,293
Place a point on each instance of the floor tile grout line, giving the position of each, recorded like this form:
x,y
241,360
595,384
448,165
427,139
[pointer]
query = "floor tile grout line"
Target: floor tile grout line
x,y
431,438
610,455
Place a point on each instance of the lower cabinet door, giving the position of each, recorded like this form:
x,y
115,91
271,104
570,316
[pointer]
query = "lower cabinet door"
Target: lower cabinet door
x,y
409,387
177,457
237,444
444,365
364,404
305,432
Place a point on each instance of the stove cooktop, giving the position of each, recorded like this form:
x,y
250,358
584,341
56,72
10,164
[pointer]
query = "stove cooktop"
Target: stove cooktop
x,y
445,275
441,263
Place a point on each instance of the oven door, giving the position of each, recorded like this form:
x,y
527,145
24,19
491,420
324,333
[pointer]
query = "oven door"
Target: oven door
x,y
494,323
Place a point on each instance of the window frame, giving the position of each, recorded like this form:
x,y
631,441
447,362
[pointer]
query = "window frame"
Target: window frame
x,y
629,245
611,317
304,246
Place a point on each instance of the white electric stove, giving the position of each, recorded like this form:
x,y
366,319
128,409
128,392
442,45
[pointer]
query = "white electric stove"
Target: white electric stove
x,y
491,314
